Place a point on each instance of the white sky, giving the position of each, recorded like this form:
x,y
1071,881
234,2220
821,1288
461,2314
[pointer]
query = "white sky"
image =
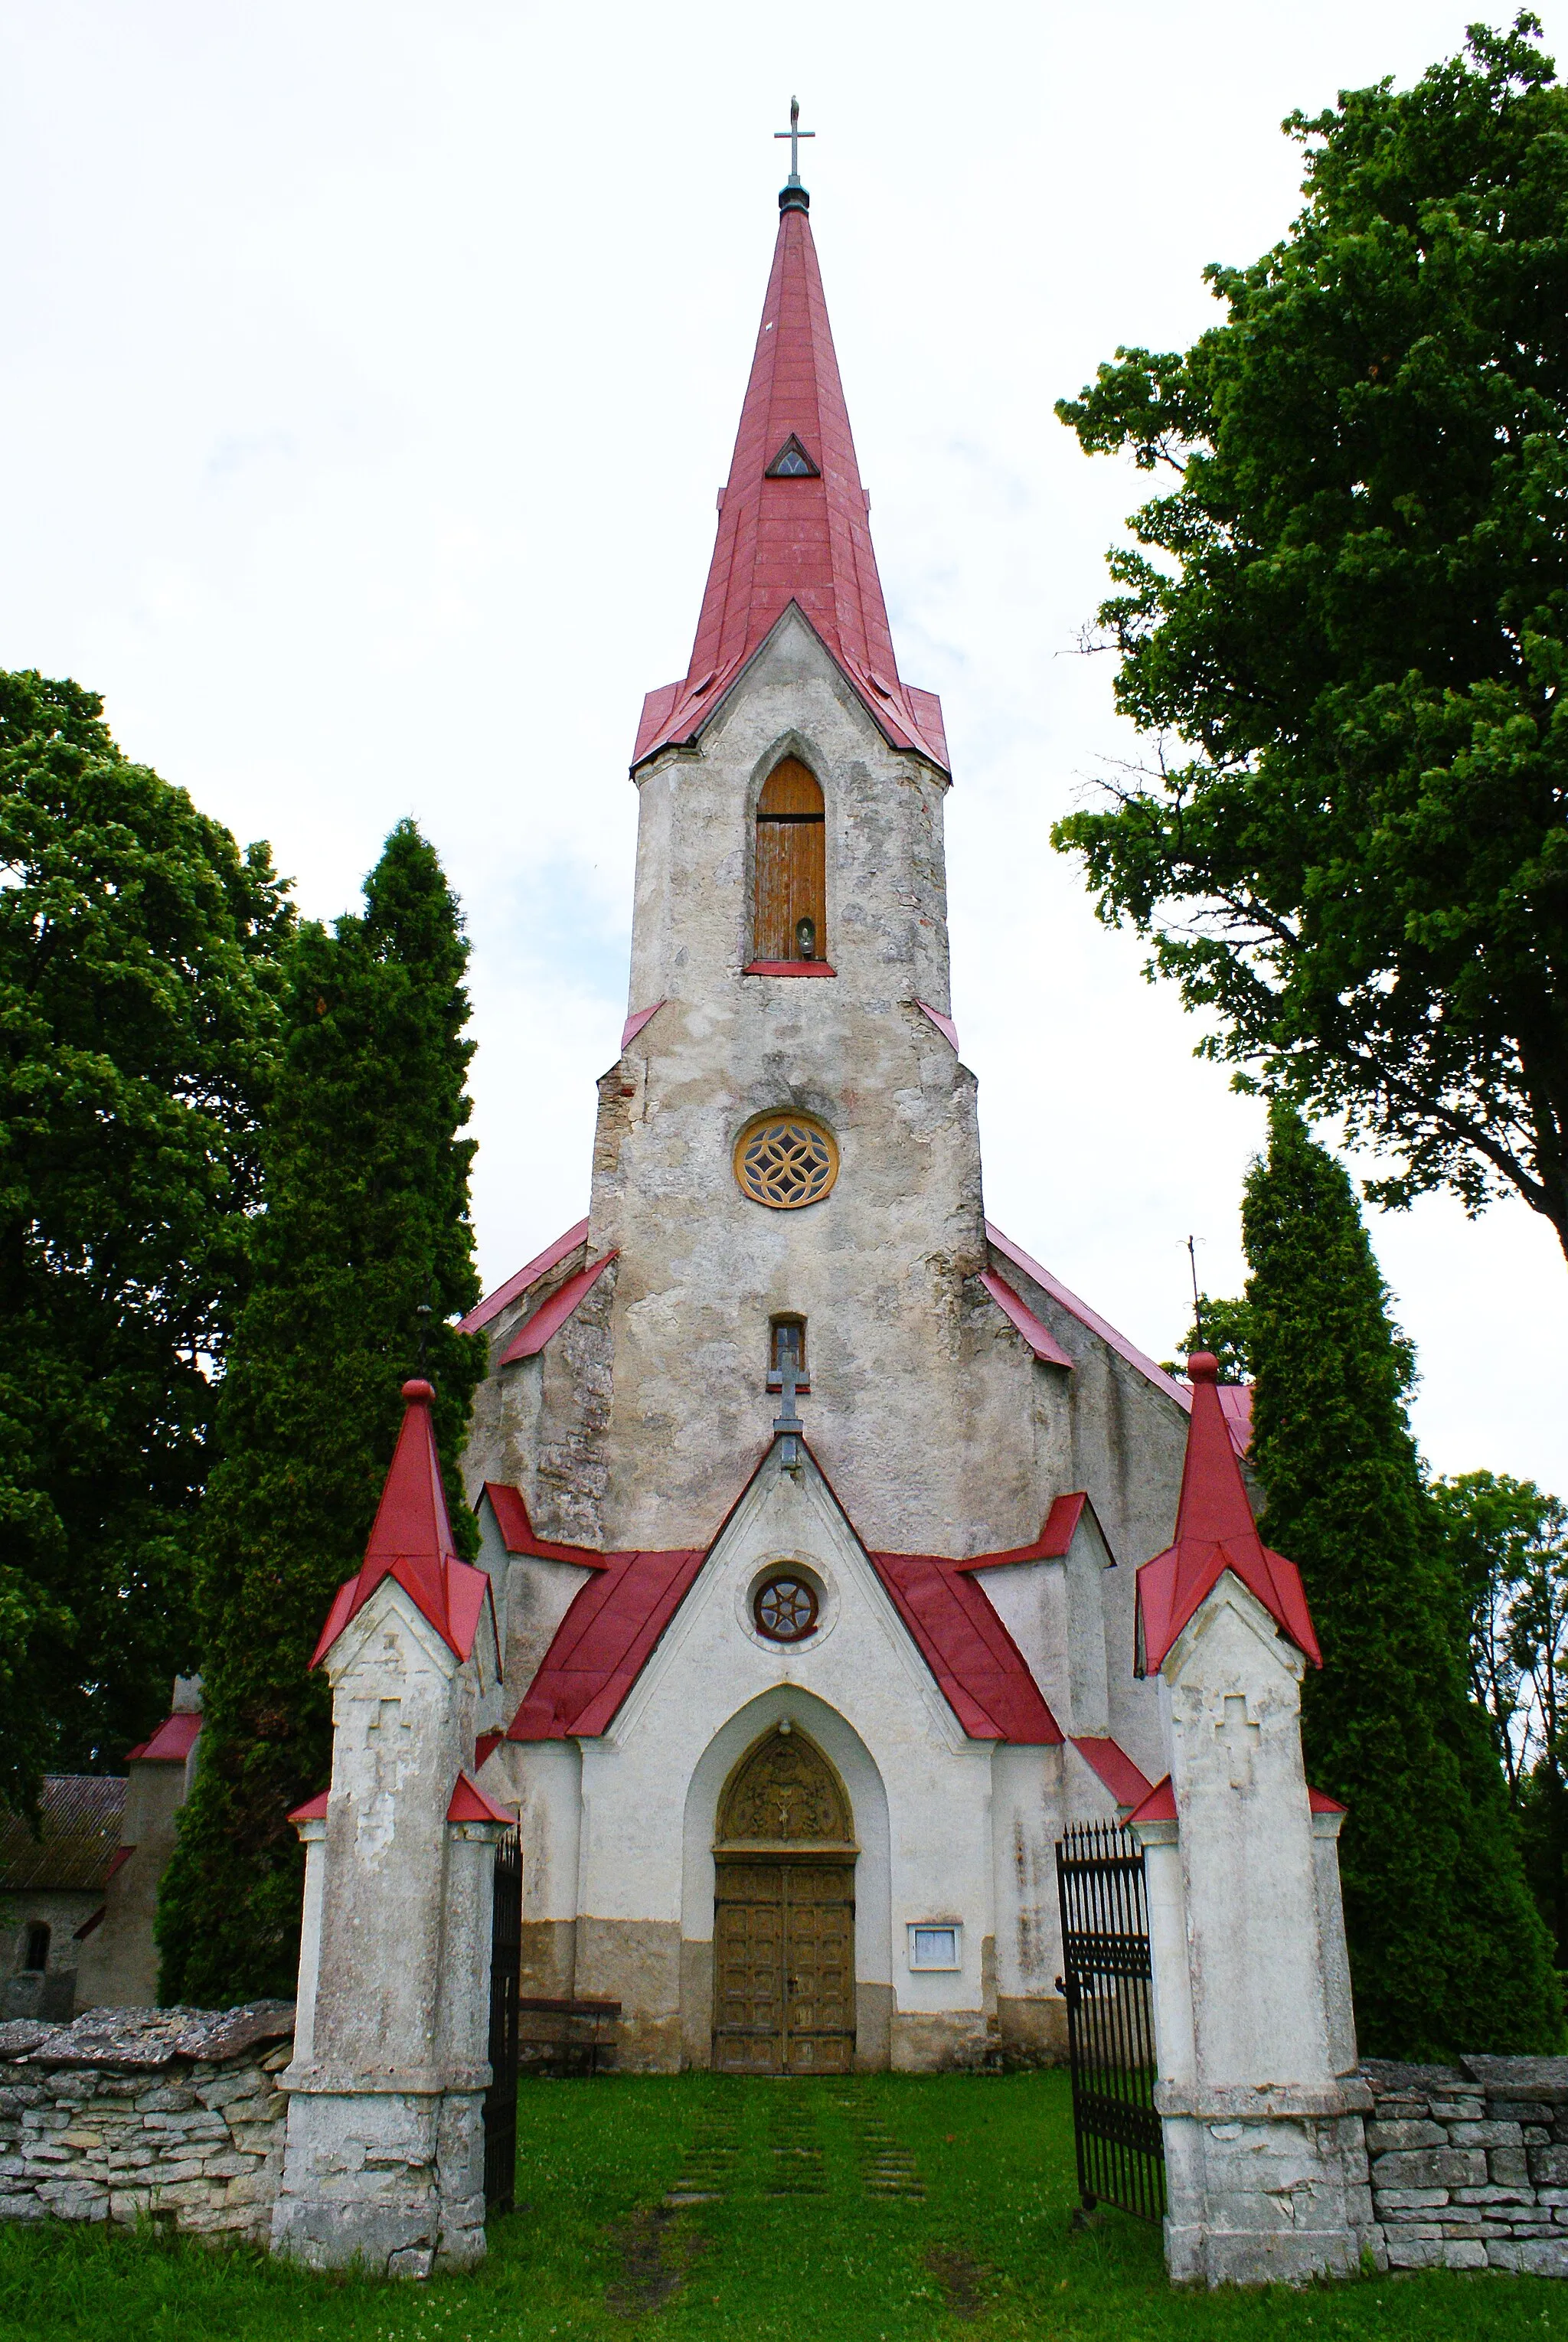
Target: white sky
x,y
369,374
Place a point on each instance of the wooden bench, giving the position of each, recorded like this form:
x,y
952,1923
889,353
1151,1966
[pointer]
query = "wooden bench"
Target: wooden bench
x,y
571,2045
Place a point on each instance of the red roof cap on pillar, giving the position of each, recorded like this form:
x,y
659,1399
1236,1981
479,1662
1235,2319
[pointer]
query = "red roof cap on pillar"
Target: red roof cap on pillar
x,y
793,527
412,1541
1214,1532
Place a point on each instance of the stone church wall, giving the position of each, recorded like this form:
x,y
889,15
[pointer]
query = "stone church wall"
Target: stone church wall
x,y
168,2113
1470,2163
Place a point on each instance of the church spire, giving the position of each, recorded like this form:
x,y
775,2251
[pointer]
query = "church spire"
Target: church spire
x,y
793,520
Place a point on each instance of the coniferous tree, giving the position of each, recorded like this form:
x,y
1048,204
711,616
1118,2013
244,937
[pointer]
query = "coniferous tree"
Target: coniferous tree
x,y
1448,1952
362,1258
138,1030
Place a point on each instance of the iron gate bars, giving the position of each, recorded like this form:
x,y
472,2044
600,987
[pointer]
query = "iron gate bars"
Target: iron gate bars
x,y
505,1963
1106,1980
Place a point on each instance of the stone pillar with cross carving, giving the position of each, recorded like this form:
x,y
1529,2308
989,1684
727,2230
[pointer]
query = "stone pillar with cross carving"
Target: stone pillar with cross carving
x,y
1257,2090
383,2160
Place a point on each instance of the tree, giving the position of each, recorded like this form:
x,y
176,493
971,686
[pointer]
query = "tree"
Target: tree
x,y
363,1256
1447,1950
1223,1328
138,1025
1352,613
1509,1543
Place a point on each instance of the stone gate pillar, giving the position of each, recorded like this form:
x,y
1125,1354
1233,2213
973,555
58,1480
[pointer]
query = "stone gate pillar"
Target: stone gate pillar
x,y
383,2160
1257,2091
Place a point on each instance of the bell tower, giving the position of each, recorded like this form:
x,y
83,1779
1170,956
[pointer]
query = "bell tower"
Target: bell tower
x,y
789,1140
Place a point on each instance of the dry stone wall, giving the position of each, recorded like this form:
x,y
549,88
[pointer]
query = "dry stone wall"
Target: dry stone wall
x,y
1470,2163
162,2113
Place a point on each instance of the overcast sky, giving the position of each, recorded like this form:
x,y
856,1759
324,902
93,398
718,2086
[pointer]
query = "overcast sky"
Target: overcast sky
x,y
368,374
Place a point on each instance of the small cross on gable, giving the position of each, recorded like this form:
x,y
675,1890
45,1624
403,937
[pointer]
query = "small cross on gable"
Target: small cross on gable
x,y
1239,1738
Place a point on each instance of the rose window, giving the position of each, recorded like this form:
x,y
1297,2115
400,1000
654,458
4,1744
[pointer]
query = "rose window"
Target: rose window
x,y
784,1608
785,1160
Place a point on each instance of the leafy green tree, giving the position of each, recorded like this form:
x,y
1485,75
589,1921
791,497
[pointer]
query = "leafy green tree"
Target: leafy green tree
x,y
138,1026
1509,1544
1447,1949
1223,1328
1352,613
362,1258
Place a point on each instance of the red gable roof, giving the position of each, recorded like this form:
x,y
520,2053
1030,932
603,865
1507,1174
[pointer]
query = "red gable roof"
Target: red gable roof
x,y
1214,1532
615,1622
470,1804
1159,1805
173,1741
800,535
529,1274
517,1530
552,1314
1055,1537
411,1541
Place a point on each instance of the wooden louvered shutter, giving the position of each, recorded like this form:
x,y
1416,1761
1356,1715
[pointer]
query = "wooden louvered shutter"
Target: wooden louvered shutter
x,y
792,863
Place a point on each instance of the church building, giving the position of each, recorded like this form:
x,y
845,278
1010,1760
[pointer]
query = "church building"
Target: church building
x,y
811,1503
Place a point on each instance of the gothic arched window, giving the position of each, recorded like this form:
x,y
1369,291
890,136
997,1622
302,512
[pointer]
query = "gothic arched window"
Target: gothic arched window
x,y
791,880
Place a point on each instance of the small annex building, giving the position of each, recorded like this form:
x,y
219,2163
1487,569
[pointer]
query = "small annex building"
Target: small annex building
x,y
811,1502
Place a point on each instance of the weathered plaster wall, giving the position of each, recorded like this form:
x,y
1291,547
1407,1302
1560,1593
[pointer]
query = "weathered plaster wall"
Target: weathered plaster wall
x,y
171,2113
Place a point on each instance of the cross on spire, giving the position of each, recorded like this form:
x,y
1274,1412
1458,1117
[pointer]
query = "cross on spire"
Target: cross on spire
x,y
792,196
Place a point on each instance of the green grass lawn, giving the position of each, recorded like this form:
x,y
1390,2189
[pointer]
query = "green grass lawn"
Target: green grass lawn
x,y
884,2209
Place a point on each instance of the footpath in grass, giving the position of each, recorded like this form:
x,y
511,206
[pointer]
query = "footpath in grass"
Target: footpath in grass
x,y
700,2208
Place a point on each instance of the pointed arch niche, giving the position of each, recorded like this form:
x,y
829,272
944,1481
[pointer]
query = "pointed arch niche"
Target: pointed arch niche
x,y
790,910
808,1801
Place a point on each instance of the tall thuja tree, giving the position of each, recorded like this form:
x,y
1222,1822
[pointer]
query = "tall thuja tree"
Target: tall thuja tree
x,y
139,980
1447,1949
363,1257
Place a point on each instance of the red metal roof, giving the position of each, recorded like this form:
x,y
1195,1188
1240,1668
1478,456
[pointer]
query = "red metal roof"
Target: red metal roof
x,y
312,1810
1320,1802
529,1274
1034,1330
552,1314
629,1032
604,1642
517,1530
1159,1805
1055,1537
788,967
983,1675
943,1023
172,1742
411,1541
1214,1532
804,539
470,1804
615,1622
1115,1768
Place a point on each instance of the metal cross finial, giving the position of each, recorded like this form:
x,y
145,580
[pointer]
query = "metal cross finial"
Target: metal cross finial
x,y
794,134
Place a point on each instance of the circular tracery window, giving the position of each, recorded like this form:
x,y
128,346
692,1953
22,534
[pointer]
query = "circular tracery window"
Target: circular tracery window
x,y
785,1160
784,1607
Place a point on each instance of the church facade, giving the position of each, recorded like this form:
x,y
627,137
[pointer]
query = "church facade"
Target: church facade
x,y
811,1503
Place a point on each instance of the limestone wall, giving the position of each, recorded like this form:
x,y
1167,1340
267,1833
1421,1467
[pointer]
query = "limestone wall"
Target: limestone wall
x,y
171,2113
1470,2163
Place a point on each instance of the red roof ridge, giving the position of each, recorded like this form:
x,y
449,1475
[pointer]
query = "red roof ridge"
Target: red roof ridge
x,y
1034,1330
529,1274
552,1314
1159,1805
411,1541
518,1532
1214,1532
802,539
470,1804
1127,1782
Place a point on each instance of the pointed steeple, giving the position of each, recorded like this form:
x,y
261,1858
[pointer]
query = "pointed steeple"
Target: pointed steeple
x,y
793,526
1214,1532
411,1540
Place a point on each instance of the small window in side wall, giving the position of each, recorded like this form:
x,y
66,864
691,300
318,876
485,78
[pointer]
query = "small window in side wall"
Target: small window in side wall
x,y
787,1333
936,1944
791,921
35,1946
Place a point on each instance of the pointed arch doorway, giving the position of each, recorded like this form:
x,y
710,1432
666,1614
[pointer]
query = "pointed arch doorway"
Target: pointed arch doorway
x,y
784,1913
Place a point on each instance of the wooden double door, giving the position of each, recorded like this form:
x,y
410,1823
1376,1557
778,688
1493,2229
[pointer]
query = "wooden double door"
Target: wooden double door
x,y
784,1955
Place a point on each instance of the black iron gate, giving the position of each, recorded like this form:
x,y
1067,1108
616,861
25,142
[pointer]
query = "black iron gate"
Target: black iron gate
x,y
1107,1979
506,1961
